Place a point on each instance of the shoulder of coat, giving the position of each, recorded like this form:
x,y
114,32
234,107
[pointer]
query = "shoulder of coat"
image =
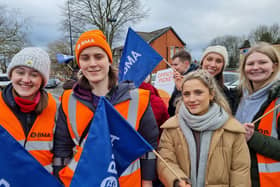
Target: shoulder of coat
x,y
234,126
171,123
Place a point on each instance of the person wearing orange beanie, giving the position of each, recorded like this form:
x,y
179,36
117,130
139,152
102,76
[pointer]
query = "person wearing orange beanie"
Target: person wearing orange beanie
x,y
92,38
98,78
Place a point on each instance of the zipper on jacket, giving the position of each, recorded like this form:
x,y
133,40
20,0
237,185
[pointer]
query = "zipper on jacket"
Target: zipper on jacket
x,y
29,126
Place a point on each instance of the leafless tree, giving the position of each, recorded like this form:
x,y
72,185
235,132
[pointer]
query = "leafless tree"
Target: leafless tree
x,y
12,35
110,16
232,43
266,33
59,46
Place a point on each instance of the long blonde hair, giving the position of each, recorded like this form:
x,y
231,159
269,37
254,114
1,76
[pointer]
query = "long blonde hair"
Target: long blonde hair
x,y
271,53
209,81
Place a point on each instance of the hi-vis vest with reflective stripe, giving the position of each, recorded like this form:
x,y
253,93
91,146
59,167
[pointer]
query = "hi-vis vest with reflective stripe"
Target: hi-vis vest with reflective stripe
x,y
269,170
79,116
39,141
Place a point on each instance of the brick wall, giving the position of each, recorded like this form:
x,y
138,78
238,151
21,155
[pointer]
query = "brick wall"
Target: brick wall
x,y
166,45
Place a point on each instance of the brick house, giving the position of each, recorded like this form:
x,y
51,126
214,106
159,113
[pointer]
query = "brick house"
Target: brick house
x,y
165,41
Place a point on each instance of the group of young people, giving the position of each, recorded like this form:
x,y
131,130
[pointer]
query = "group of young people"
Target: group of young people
x,y
210,139
222,137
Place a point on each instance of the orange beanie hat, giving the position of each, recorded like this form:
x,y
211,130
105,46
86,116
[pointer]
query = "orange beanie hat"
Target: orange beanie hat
x,y
90,39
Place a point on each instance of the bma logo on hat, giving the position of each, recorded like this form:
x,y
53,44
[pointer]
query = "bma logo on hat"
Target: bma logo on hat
x,y
29,62
90,40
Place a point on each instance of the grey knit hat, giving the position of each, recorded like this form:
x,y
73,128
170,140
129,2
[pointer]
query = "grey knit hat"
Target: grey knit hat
x,y
216,49
32,57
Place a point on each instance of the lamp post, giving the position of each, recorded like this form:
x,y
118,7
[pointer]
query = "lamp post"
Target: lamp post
x,y
110,20
70,33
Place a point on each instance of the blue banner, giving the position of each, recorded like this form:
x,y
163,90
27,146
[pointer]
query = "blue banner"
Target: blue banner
x,y
111,145
61,58
18,168
138,59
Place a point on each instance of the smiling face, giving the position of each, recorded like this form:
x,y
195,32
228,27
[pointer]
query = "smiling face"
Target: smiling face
x,y
213,63
26,81
258,69
196,97
94,64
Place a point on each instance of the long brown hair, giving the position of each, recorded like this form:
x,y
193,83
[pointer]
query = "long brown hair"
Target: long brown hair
x,y
43,103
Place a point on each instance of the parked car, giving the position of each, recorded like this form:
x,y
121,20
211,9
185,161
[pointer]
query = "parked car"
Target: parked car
x,y
52,83
233,84
4,80
230,77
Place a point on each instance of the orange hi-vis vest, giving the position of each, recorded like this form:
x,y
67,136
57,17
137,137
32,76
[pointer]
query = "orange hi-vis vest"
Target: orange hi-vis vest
x,y
39,141
269,169
79,116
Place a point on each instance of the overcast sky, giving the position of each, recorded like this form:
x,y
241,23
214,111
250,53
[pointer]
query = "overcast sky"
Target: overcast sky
x,y
195,21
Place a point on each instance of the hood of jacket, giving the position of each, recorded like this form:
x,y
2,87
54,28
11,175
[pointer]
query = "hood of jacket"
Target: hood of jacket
x,y
116,95
274,91
191,68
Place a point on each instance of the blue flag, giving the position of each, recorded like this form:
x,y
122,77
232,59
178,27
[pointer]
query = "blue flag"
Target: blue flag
x,y
18,168
61,58
138,59
111,145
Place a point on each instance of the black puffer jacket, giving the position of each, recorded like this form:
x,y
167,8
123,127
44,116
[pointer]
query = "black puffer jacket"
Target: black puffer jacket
x,y
259,143
229,96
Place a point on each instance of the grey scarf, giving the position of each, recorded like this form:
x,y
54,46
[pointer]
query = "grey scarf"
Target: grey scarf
x,y
206,124
250,104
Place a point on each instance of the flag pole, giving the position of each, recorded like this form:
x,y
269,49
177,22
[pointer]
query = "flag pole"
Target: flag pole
x,y
166,164
166,62
277,106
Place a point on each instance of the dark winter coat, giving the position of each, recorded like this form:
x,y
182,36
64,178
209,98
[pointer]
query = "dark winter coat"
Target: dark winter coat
x,y
259,143
63,143
229,96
